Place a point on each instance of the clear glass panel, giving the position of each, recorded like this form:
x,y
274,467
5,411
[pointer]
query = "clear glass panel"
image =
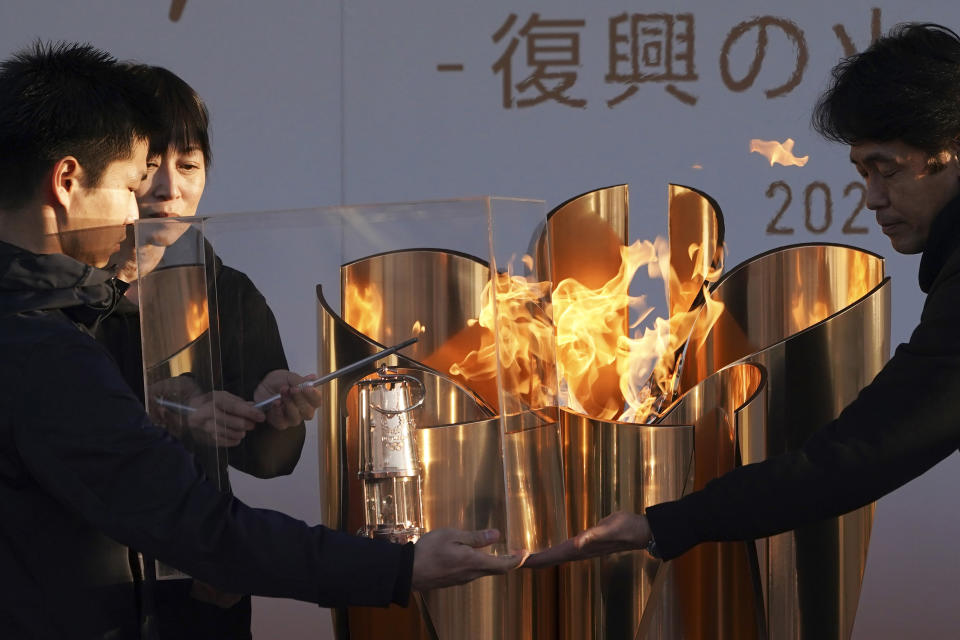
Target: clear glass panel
x,y
232,299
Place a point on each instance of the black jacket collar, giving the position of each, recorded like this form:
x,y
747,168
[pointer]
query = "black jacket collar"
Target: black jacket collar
x,y
943,240
44,282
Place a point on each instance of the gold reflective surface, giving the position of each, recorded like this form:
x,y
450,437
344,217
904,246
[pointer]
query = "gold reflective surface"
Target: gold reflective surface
x,y
544,475
612,466
817,318
467,453
584,236
431,294
463,488
178,338
776,295
445,403
713,590
174,312
696,244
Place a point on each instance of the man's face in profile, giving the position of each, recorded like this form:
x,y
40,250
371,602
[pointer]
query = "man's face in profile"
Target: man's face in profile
x,y
92,226
906,188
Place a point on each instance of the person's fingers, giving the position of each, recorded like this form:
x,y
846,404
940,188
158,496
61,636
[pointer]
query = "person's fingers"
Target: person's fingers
x,y
310,395
216,433
235,407
221,433
283,414
229,439
291,409
313,395
303,410
224,406
563,552
476,539
488,564
203,412
231,422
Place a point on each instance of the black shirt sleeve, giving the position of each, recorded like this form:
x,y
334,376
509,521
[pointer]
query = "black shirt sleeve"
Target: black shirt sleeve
x,y
85,439
250,348
901,424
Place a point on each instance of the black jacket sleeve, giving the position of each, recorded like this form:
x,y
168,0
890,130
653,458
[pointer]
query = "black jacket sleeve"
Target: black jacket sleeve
x,y
84,438
901,424
250,349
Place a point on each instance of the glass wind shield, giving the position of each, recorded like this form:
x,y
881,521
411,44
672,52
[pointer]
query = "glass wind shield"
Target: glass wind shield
x,y
455,429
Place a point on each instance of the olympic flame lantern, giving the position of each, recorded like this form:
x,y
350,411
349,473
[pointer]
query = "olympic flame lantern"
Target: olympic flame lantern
x,y
389,463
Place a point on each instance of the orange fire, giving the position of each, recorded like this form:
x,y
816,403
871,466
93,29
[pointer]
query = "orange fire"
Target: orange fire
x,y
526,340
418,329
646,362
652,357
591,327
595,353
363,307
778,153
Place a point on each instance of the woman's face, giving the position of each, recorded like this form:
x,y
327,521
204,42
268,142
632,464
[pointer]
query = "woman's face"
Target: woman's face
x,y
172,188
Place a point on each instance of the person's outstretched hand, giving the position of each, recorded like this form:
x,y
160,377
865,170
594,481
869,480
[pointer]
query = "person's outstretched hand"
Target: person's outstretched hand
x,y
446,557
216,418
296,404
620,531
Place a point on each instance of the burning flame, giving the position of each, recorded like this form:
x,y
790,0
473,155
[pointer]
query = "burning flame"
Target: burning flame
x,y
418,329
522,324
647,362
657,349
778,153
596,356
363,308
591,324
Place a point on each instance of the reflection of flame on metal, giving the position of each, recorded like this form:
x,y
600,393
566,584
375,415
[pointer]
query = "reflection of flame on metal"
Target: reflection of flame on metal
x,y
363,309
197,320
418,328
778,153
859,275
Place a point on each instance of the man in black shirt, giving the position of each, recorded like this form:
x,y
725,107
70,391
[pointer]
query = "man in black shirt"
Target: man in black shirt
x,y
83,472
897,105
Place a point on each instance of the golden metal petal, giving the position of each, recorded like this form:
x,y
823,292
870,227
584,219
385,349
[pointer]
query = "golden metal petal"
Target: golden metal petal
x,y
612,466
817,318
694,221
713,591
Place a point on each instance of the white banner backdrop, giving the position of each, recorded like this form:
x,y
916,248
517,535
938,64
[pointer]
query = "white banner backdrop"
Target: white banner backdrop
x,y
317,103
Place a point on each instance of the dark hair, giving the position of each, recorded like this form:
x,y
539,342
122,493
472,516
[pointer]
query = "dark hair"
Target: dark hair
x,y
905,86
64,99
183,115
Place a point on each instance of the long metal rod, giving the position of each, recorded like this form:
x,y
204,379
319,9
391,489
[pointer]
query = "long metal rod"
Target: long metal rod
x,y
265,404
353,366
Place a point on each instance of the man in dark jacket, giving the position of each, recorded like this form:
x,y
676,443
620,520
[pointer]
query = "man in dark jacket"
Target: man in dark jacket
x,y
82,469
897,105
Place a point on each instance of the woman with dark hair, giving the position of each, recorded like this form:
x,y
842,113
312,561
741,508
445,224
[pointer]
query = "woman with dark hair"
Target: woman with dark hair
x,y
262,443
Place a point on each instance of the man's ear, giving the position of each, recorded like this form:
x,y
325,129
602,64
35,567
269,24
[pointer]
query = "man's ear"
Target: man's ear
x,y
65,179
